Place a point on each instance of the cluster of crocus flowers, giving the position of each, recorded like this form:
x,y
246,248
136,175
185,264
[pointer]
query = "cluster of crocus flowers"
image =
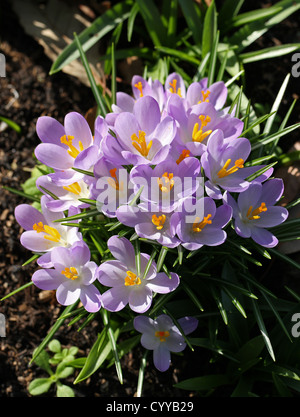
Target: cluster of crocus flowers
x,y
180,152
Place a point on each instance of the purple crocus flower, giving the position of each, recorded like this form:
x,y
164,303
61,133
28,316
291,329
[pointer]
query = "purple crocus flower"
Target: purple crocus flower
x,y
174,84
167,183
127,285
72,277
162,336
223,164
41,233
158,226
254,211
140,88
111,188
68,194
199,92
68,146
200,223
195,125
142,137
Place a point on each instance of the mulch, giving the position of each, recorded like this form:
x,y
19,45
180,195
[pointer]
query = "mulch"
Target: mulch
x,y
28,92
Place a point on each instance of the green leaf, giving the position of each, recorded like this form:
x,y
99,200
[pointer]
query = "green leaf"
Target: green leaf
x,y
64,371
183,56
253,15
99,352
42,361
153,21
13,125
268,53
52,331
209,29
203,383
54,346
262,328
192,14
131,19
92,34
95,90
40,386
250,32
64,391
17,290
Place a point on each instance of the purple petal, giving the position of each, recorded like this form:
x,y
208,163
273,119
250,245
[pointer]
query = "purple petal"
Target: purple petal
x,y
175,342
27,216
140,299
147,113
36,242
162,284
90,298
115,299
53,156
122,250
143,324
188,324
47,279
272,217
263,237
67,293
112,273
49,130
77,126
149,341
162,358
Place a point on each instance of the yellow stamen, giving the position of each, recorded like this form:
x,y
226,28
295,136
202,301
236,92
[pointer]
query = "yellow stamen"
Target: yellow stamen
x,y
204,97
198,226
166,182
174,89
52,233
237,165
184,154
162,335
198,135
132,279
68,140
70,273
159,221
254,214
113,181
73,188
139,86
139,143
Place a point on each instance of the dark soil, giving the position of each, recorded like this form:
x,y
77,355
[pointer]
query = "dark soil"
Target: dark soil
x,y
28,92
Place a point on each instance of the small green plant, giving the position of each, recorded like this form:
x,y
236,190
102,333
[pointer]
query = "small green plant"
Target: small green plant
x,y
62,360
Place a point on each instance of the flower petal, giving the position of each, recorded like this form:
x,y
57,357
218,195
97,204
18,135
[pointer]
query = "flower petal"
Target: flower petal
x,y
162,284
115,299
161,358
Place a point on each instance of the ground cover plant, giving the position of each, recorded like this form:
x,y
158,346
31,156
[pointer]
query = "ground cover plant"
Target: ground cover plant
x,y
158,218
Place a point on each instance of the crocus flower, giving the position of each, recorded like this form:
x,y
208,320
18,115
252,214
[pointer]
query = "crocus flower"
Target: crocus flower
x,y
140,88
199,92
254,211
142,137
41,233
68,195
127,285
158,226
196,125
174,84
223,164
200,223
167,183
163,336
111,188
68,146
72,277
